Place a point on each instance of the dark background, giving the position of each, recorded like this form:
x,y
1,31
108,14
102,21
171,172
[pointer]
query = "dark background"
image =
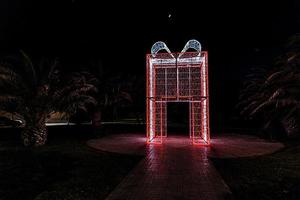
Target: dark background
x,y
236,35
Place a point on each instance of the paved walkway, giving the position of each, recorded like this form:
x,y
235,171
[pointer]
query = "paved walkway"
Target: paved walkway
x,y
177,169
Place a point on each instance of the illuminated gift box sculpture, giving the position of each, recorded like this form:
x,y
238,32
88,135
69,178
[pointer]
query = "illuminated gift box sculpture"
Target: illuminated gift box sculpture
x,y
177,77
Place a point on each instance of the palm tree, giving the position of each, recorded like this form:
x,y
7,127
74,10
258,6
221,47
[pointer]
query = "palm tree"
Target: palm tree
x,y
117,95
274,94
34,91
115,91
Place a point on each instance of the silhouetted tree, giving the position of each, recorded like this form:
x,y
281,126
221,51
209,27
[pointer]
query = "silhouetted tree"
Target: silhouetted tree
x,y
274,94
35,90
118,92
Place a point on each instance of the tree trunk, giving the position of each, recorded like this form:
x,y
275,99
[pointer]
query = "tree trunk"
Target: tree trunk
x,y
35,131
97,119
291,126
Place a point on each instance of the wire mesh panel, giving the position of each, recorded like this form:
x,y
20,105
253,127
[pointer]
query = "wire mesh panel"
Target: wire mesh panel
x,y
160,119
184,82
196,124
177,77
171,83
195,77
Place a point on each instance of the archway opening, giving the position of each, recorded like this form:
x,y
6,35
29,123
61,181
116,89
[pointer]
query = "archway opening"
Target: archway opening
x,y
178,118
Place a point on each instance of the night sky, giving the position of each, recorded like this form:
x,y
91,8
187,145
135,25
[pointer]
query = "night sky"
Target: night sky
x,y
236,35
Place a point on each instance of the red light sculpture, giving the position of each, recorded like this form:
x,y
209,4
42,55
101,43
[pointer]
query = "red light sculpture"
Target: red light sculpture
x,y
177,77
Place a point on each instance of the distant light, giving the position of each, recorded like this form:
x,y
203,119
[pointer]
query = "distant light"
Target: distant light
x,y
169,16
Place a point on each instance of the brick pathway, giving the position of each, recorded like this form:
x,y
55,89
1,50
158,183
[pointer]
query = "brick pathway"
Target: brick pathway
x,y
177,169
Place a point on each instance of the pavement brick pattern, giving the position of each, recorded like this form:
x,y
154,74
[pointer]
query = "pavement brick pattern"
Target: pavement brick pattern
x,y
176,169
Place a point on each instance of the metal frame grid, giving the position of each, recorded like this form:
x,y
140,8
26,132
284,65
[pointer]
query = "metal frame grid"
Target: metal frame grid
x,y
177,77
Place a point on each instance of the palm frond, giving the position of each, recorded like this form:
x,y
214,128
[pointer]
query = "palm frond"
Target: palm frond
x,y
29,67
10,81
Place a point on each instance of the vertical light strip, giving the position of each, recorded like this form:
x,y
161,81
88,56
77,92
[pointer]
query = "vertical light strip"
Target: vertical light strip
x,y
161,122
151,134
203,77
177,81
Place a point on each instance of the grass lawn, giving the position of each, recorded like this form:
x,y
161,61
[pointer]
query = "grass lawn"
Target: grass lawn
x,y
271,177
60,170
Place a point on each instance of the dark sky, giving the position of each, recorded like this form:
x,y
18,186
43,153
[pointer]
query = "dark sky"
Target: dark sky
x,y
63,25
236,35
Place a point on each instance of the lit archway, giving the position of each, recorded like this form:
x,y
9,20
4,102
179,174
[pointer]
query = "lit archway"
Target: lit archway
x,y
177,77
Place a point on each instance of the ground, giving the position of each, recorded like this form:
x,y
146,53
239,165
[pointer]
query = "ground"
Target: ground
x,y
275,176
64,169
177,169
67,168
